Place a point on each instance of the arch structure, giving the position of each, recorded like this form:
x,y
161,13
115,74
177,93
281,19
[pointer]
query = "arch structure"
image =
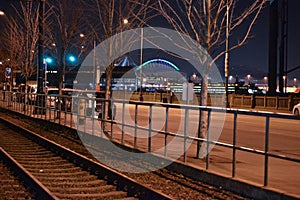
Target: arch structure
x,y
158,62
159,71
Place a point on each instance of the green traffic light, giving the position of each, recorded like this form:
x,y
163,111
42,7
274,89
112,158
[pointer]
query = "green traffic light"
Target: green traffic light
x,y
72,58
49,60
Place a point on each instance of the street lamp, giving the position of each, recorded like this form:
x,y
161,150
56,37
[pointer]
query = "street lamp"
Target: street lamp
x,y
194,76
230,79
266,79
295,82
249,77
2,13
284,84
125,21
96,78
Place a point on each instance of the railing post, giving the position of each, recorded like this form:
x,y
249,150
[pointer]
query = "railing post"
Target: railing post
x,y
234,144
150,129
111,105
186,115
84,115
123,121
93,115
208,139
166,130
266,151
135,125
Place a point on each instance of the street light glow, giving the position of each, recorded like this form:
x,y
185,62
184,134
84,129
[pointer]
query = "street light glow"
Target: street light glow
x,y
49,60
2,13
125,21
72,58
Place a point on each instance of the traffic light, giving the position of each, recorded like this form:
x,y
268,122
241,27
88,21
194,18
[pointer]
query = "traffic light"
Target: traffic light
x,y
49,60
72,59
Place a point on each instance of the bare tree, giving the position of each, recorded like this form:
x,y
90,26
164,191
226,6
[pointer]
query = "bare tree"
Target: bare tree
x,y
206,22
22,34
67,22
108,20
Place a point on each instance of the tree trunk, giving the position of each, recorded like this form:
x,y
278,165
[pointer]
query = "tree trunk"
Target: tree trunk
x,y
203,128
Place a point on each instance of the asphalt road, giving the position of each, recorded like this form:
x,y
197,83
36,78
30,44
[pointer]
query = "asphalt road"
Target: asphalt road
x,y
284,139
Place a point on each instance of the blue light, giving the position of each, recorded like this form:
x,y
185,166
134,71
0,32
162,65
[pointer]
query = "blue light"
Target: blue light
x,y
49,60
72,58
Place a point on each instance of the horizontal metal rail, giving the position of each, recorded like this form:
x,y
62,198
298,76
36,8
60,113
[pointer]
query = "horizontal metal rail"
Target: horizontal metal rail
x,y
80,106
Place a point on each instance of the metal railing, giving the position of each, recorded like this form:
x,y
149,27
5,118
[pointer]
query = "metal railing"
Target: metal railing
x,y
80,112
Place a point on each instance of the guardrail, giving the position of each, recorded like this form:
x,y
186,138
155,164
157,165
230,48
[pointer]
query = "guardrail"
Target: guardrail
x,y
81,112
265,102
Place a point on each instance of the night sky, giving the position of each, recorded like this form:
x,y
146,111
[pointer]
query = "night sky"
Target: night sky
x,y
253,57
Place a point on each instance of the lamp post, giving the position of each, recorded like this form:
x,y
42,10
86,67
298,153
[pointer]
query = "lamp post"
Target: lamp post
x,y
265,79
194,76
125,22
295,82
230,79
284,84
96,78
249,77
141,67
40,71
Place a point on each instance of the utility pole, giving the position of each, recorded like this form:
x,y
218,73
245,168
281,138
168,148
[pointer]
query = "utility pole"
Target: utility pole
x,y
273,41
40,69
283,46
40,99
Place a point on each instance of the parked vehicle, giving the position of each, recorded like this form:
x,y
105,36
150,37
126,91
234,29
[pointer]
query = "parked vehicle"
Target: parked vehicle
x,y
296,110
31,93
52,94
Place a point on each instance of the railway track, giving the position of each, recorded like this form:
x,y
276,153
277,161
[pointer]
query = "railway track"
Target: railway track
x,y
10,185
59,173
169,182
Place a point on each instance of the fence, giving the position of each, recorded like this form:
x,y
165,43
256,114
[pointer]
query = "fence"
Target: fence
x,y
84,113
235,100
266,102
